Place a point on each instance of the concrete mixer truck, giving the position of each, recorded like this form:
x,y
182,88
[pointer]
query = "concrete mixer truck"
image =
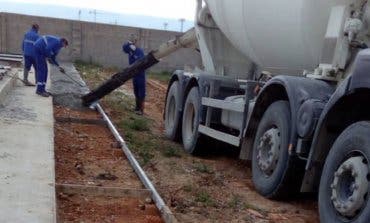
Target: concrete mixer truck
x,y
288,83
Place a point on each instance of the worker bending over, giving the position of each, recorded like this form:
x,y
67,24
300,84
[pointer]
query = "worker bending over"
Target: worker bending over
x,y
28,52
135,53
47,47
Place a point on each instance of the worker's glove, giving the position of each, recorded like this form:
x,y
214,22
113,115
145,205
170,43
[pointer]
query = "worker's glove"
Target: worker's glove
x,y
132,47
61,69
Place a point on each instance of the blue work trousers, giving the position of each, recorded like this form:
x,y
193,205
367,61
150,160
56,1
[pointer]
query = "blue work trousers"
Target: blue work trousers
x,y
28,62
41,71
139,87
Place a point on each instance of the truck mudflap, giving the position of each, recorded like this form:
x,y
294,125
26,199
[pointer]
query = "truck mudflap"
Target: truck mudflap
x,y
294,89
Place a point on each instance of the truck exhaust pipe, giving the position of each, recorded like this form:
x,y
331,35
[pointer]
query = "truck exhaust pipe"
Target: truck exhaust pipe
x,y
187,40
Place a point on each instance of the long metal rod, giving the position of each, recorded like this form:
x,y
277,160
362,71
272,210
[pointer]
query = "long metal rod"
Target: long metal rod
x,y
166,213
15,59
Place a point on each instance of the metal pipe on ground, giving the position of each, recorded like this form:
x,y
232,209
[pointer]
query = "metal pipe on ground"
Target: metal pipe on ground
x,y
185,41
166,213
13,59
19,56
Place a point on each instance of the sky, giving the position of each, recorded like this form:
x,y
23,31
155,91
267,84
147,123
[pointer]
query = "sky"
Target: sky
x,y
141,13
158,8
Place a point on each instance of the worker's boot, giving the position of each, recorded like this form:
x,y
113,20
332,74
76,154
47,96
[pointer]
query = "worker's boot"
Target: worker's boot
x,y
140,111
25,78
142,105
43,94
137,106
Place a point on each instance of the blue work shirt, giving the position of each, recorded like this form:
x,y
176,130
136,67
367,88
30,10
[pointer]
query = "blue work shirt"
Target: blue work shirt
x,y
28,42
133,56
49,46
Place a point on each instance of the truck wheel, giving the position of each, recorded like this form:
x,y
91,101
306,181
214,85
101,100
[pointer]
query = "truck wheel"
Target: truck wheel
x,y
172,114
190,122
271,161
344,186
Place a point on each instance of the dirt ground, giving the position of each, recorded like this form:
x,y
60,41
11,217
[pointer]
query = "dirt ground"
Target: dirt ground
x,y
87,154
79,208
216,187
212,188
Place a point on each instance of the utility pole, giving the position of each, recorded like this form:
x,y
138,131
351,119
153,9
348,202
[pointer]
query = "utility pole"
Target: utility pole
x,y
182,20
79,15
93,12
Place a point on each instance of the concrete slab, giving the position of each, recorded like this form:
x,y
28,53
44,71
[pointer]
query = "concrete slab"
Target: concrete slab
x,y
27,175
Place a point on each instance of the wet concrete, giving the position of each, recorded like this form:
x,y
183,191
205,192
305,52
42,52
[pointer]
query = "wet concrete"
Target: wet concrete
x,y
67,92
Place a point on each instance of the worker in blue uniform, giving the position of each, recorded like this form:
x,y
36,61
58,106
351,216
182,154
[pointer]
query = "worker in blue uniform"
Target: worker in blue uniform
x,y
47,47
28,51
135,53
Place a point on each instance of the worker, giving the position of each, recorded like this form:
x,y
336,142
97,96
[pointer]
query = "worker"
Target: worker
x,y
28,51
135,53
47,47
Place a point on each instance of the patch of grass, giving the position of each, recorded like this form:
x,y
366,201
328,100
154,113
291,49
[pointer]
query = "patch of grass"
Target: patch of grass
x,y
136,130
138,124
163,76
202,168
205,198
118,102
235,201
188,188
171,152
86,65
145,156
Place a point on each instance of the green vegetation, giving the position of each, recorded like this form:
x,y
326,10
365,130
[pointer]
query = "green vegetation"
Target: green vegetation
x,y
93,73
136,130
171,151
86,65
188,188
202,168
137,123
163,76
205,198
235,202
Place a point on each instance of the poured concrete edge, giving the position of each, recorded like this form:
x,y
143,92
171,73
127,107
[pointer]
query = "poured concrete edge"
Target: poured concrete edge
x,y
7,84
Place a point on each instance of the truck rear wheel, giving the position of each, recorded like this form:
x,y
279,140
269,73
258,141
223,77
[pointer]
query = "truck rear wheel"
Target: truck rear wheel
x,y
172,114
271,161
345,180
190,120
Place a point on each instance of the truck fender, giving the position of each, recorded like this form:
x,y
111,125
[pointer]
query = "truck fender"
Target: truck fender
x,y
184,80
352,92
296,90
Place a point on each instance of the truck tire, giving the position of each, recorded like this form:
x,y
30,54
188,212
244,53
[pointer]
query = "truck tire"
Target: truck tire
x,y
344,185
271,162
172,114
190,121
